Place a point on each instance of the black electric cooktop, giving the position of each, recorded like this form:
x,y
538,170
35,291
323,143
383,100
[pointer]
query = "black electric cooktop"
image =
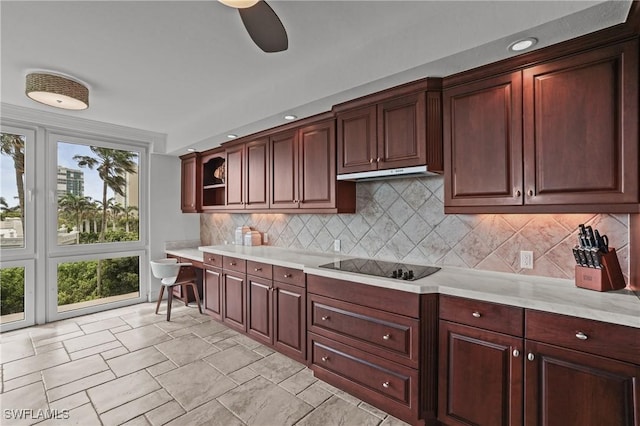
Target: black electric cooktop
x,y
379,268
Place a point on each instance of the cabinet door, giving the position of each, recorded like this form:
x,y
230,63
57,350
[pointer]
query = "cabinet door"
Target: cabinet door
x,y
357,140
483,142
567,387
234,305
189,187
289,322
235,177
284,171
257,174
480,380
402,126
213,292
260,309
317,167
581,128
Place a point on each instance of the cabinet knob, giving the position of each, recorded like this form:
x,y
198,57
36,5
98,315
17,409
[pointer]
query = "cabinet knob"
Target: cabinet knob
x,y
232,263
325,358
287,275
378,160
476,314
530,193
516,353
386,385
370,160
580,335
325,318
531,356
386,336
518,193
258,269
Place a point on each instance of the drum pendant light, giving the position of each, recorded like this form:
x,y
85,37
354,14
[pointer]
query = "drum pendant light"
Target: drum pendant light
x,y
57,91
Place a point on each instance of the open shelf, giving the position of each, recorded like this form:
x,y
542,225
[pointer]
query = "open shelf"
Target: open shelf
x,y
218,185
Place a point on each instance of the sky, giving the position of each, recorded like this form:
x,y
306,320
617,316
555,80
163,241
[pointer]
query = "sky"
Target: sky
x,y
66,151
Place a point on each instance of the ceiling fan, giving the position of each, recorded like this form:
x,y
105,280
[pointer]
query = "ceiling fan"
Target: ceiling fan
x,y
262,24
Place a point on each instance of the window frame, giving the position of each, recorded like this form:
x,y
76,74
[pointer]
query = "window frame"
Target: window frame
x,y
29,294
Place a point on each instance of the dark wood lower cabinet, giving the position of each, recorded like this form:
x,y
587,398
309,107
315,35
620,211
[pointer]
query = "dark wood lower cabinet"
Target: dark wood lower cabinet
x,y
567,387
260,309
234,312
289,307
481,376
213,292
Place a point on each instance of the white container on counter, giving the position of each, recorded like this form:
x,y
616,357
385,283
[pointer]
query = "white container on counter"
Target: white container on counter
x,y
252,238
240,231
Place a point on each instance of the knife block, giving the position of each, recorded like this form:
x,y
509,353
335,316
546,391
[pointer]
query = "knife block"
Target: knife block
x,y
608,278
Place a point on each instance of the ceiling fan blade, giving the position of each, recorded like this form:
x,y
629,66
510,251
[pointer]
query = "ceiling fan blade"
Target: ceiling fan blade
x,y
264,27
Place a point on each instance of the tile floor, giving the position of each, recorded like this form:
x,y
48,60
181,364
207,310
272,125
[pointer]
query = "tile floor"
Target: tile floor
x,y
129,366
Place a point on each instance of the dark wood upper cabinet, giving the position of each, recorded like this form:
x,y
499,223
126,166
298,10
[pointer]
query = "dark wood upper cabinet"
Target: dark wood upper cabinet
x,y
581,128
317,166
284,170
235,177
303,173
257,174
557,137
212,181
483,142
189,183
402,126
395,128
357,133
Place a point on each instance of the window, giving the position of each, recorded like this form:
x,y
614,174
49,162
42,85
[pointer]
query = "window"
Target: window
x,y
12,197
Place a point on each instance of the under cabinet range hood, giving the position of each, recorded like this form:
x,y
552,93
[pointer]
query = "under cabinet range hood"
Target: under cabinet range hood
x,y
401,172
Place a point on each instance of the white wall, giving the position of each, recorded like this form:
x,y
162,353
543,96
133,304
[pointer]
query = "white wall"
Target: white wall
x,y
166,220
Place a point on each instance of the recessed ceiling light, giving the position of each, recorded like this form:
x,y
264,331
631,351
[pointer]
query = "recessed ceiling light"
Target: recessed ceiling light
x,y
524,44
232,136
290,117
191,150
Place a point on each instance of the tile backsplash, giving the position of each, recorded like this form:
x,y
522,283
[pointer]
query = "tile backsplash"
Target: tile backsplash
x,y
403,219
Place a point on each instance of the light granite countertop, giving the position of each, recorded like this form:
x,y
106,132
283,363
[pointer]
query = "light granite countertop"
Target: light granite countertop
x,y
545,294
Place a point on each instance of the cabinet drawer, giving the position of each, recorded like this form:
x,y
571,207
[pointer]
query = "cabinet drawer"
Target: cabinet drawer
x,y
259,269
595,337
385,378
213,259
234,264
288,275
486,315
388,335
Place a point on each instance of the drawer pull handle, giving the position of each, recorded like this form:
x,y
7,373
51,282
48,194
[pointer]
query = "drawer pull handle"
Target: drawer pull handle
x,y
386,385
258,269
531,356
232,263
325,358
580,335
476,314
325,318
287,275
386,336
516,353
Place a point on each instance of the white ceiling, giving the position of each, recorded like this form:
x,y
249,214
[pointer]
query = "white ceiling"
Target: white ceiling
x,y
189,69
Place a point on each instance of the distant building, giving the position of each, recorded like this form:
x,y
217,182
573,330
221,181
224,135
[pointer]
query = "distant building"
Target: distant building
x,y
131,190
70,181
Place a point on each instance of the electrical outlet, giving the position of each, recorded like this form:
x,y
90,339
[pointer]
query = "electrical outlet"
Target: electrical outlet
x,y
265,238
526,259
336,245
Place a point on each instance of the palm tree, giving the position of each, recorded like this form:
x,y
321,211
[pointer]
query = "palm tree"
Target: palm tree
x,y
112,165
4,206
116,211
127,213
13,146
75,205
